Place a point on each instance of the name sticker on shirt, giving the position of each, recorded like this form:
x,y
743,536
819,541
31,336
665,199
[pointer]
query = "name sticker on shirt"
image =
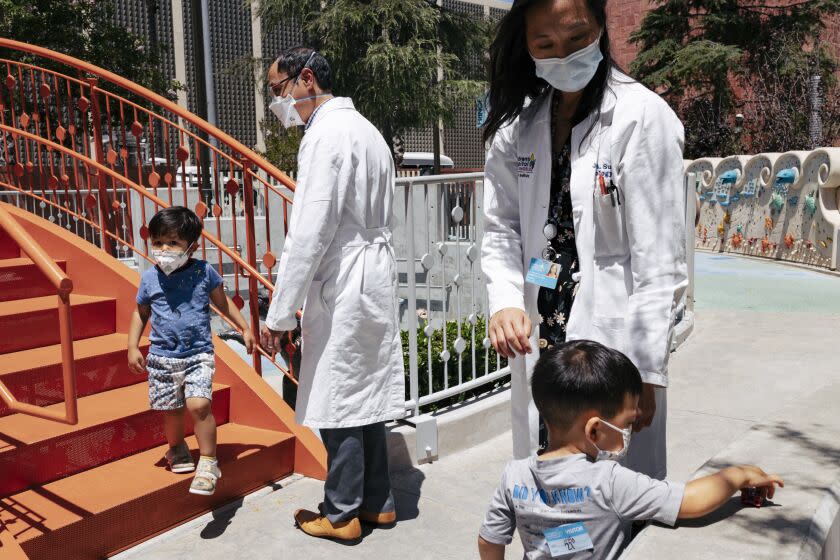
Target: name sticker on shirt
x,y
543,273
567,539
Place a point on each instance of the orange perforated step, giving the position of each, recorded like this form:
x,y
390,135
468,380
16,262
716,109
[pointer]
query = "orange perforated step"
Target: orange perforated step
x,y
106,509
8,248
34,376
33,322
111,425
20,279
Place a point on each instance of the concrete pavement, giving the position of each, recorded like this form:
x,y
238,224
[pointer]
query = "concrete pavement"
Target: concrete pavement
x,y
764,338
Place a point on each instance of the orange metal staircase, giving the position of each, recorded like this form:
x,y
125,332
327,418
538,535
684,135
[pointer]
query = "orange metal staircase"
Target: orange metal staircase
x,y
91,489
81,474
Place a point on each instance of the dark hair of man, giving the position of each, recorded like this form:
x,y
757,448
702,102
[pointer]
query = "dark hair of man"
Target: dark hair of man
x,y
292,62
178,220
582,375
513,74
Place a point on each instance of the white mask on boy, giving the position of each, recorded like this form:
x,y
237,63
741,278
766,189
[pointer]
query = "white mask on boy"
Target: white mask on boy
x,y
170,261
604,455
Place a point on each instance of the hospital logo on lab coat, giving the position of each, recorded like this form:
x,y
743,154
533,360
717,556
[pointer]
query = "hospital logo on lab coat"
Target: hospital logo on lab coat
x,y
525,165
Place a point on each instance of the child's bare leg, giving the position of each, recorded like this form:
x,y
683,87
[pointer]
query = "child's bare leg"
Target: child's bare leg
x,y
173,422
205,425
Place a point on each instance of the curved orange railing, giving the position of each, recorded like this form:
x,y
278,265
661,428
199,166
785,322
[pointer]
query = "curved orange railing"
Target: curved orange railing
x,y
64,286
65,283
101,163
148,94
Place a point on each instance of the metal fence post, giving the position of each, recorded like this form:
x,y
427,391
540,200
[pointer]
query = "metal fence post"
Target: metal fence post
x,y
104,211
410,264
690,215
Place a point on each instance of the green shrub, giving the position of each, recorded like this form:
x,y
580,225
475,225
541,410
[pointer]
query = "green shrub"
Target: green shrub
x,y
482,358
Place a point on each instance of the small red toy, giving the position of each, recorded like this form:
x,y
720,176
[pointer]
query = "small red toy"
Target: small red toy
x,y
753,497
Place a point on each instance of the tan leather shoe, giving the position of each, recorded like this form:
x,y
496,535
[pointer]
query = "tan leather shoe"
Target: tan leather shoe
x,y
317,525
384,518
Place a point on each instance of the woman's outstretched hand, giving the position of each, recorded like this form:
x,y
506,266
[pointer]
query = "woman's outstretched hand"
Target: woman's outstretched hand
x,y
510,331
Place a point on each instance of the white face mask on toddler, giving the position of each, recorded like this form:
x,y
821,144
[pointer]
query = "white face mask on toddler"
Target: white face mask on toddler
x,y
604,455
170,261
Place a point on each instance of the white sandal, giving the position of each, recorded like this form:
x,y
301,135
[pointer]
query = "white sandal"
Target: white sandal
x,y
206,475
179,459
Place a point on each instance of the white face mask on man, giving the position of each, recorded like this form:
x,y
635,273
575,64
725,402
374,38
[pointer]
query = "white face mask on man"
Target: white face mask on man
x,y
573,72
285,110
604,455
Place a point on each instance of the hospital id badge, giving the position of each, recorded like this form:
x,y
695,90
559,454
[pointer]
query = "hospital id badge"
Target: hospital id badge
x,y
567,539
543,273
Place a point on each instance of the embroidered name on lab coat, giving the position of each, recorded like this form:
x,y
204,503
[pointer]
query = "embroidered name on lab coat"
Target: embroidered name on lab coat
x,y
525,165
603,169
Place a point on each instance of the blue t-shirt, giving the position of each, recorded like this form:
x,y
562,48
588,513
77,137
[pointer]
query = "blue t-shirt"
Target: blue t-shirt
x,y
180,308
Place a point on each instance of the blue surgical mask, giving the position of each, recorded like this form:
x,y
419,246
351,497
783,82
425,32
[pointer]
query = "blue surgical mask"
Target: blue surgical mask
x,y
604,455
573,72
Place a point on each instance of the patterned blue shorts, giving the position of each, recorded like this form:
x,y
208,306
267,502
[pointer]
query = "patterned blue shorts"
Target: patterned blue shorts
x,y
174,380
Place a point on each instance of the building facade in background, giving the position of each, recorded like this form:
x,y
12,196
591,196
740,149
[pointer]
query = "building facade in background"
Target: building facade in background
x,y
236,33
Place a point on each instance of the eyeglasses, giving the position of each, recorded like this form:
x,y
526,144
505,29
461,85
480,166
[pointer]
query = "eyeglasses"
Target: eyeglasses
x,y
276,89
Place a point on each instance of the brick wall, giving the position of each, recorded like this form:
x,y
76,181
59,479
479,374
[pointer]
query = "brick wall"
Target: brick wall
x,y
625,16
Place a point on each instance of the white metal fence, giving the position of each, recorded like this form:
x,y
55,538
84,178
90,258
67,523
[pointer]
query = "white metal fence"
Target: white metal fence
x,y
437,240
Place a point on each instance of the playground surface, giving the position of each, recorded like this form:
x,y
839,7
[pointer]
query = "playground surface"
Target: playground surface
x,y
763,338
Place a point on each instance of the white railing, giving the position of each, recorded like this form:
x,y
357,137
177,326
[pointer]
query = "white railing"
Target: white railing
x,y
437,239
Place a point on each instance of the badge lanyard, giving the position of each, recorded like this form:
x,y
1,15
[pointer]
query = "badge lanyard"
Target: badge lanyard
x,y
550,229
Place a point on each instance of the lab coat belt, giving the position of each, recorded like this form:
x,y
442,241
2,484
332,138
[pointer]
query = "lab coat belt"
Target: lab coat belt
x,y
354,237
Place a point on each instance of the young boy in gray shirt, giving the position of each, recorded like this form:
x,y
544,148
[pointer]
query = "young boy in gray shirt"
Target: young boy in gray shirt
x,y
574,500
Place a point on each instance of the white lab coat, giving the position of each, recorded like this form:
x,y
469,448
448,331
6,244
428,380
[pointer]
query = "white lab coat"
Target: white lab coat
x,y
338,257
632,256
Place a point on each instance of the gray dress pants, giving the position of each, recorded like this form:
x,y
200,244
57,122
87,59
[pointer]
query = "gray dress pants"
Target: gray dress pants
x,y
357,472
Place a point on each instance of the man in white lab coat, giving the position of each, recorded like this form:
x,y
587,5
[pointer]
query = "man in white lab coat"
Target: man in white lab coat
x,y
338,259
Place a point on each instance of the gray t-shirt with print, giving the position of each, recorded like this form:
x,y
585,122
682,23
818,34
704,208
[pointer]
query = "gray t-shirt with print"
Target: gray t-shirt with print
x,y
559,494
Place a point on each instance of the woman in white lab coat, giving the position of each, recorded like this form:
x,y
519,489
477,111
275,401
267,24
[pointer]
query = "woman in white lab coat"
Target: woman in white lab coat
x,y
585,170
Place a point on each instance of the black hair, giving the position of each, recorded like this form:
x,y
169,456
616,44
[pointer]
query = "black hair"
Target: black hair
x,y
582,375
513,77
292,62
179,220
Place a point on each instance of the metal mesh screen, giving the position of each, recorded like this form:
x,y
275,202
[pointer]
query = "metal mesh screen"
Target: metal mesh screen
x,y
274,40
497,13
461,138
419,140
188,56
230,42
133,15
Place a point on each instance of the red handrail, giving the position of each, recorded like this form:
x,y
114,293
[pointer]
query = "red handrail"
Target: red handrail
x,y
64,286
